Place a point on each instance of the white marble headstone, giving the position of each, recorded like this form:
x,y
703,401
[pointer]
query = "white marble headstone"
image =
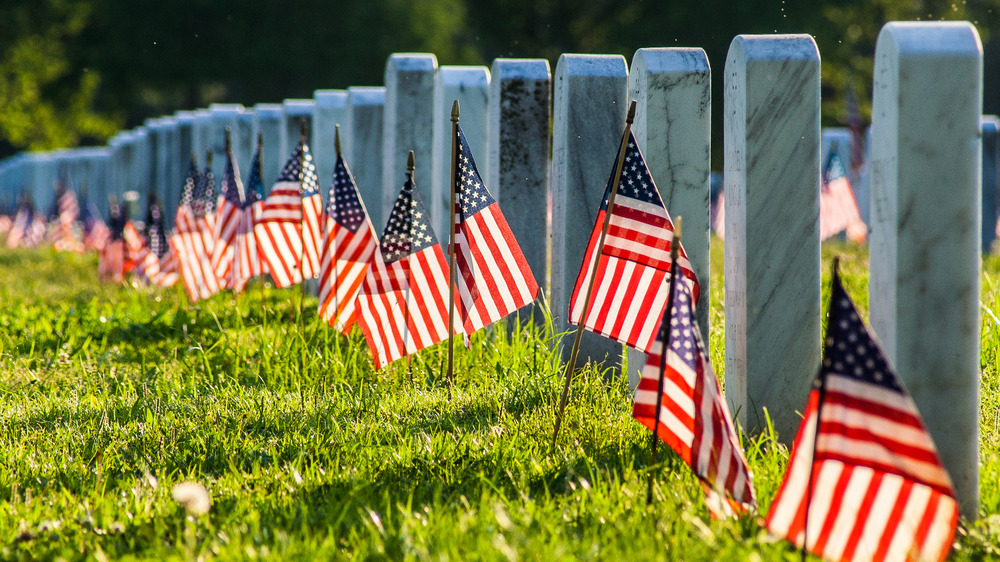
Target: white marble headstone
x,y
268,121
590,105
772,141
295,111
331,110
362,146
517,167
991,188
925,243
407,125
470,85
202,137
224,115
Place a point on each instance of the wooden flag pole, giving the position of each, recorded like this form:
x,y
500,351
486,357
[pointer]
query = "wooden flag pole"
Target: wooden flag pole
x,y
820,386
410,166
675,246
616,180
302,259
260,174
451,245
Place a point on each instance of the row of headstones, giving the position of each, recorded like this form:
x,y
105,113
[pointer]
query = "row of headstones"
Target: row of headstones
x,y
924,179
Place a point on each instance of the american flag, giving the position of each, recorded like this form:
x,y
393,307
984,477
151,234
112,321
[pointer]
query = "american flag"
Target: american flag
x,y
227,218
192,241
22,222
346,255
869,485
403,304
291,216
627,305
693,417
166,274
113,258
95,232
246,260
147,262
838,209
68,207
493,278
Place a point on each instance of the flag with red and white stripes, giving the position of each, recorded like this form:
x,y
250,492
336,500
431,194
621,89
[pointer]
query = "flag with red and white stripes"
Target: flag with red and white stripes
x,y
288,231
492,277
693,417
192,241
227,218
66,239
403,304
627,303
147,262
22,222
864,480
95,232
247,262
348,245
114,256
838,209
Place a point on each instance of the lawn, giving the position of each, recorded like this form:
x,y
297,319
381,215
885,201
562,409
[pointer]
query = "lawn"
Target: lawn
x,y
109,396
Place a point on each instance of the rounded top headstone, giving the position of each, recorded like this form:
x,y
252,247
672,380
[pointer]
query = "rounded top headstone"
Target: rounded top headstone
x,y
930,38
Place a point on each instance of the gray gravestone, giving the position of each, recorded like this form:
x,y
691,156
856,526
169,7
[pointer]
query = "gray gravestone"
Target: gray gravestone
x,y
925,243
156,181
990,125
331,110
590,103
244,142
517,167
362,146
295,111
772,137
167,166
185,149
408,125
224,115
673,93
141,173
44,180
470,85
268,121
201,138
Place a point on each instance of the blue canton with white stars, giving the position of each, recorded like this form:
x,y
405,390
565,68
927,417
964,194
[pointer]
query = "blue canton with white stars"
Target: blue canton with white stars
x,y
156,232
471,194
684,339
204,202
834,168
255,185
344,205
849,349
636,182
409,229
300,167
187,195
229,189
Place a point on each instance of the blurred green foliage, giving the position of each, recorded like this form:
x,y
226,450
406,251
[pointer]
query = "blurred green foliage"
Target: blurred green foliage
x,y
73,71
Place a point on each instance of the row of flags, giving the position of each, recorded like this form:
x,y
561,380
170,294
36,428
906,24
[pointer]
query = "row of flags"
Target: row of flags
x,y
864,480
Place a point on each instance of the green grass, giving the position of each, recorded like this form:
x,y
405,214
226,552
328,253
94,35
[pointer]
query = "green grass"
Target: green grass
x,y
111,395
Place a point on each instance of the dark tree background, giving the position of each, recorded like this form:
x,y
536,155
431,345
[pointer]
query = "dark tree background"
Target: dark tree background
x,y
73,72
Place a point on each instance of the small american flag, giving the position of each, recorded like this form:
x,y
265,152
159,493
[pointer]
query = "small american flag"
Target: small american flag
x,y
346,255
192,242
493,278
403,304
247,263
21,224
693,417
869,484
627,305
227,218
95,232
69,212
147,262
291,216
165,274
838,209
112,262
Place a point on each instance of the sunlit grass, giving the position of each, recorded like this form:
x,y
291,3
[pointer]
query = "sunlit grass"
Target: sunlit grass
x,y
111,395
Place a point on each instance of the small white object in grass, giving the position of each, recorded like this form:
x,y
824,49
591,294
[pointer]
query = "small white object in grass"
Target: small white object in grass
x,y
193,496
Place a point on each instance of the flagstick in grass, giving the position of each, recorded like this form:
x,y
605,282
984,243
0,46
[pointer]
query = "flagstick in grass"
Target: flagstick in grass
x,y
410,167
593,274
655,439
302,270
451,247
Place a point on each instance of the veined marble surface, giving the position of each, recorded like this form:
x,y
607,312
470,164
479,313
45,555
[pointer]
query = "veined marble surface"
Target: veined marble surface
x,y
673,92
517,163
330,110
408,125
772,141
470,85
925,243
363,147
590,104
